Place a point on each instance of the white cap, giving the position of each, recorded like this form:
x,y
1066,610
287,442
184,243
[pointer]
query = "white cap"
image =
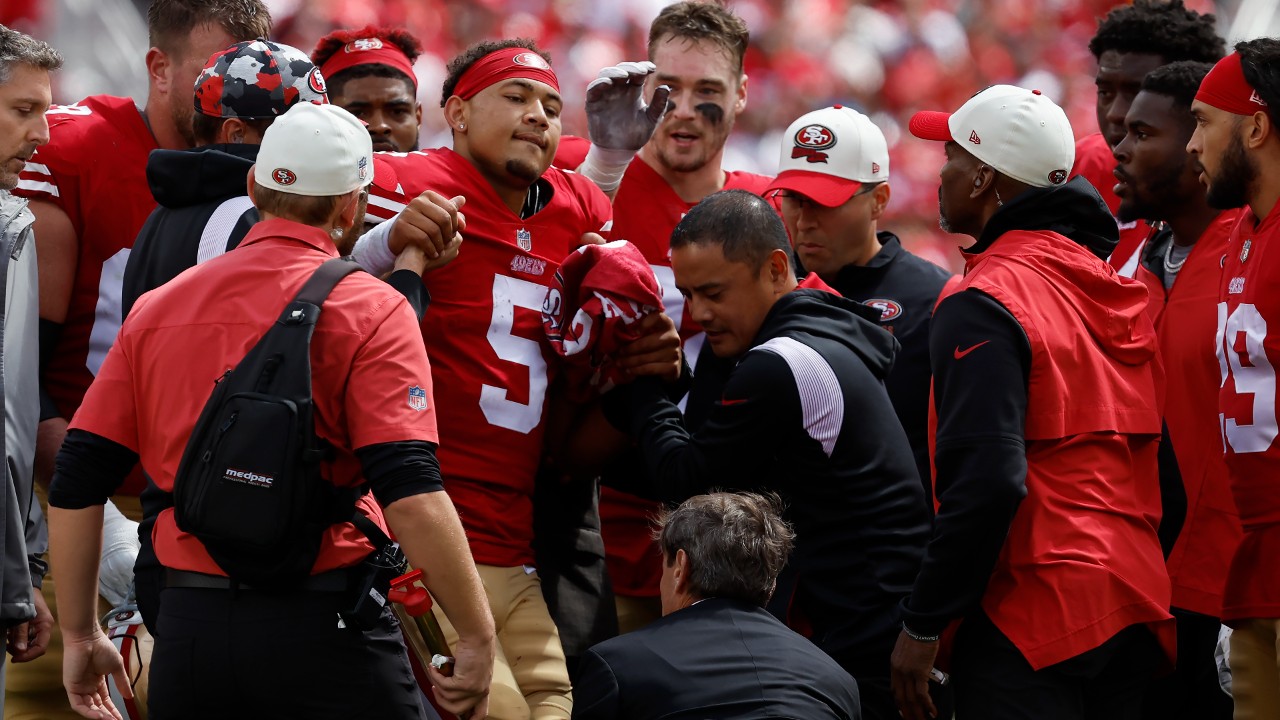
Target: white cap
x,y
315,150
1019,132
828,154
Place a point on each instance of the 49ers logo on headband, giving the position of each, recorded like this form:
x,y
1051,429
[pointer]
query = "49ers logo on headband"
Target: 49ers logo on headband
x,y
811,139
531,59
283,177
1057,177
363,45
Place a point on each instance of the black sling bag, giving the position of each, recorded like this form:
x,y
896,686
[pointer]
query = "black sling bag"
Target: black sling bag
x,y
249,485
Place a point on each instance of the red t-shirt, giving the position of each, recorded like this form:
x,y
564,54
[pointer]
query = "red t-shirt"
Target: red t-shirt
x,y
94,168
490,358
365,358
1248,350
1096,163
645,212
1185,318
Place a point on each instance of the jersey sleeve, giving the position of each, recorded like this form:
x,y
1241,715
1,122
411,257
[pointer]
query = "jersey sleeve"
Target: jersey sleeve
x,y
52,172
389,393
597,210
571,152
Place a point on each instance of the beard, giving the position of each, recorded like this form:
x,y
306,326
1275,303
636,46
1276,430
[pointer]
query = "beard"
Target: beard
x,y
524,170
346,242
1230,187
182,111
1160,198
943,221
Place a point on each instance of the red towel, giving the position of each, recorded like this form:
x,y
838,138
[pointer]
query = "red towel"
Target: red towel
x,y
593,307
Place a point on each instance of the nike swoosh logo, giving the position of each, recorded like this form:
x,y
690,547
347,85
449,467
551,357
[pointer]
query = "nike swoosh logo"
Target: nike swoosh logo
x,y
739,401
961,353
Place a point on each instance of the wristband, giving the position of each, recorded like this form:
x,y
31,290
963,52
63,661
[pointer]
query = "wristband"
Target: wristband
x,y
605,167
918,637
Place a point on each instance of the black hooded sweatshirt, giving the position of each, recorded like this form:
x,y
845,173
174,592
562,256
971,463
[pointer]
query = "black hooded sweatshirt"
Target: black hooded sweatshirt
x,y
805,414
204,211
980,441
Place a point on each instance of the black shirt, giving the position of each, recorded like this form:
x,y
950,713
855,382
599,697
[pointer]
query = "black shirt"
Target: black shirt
x,y
904,288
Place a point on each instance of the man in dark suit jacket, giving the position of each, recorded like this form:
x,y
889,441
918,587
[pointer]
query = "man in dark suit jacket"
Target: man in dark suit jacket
x,y
716,653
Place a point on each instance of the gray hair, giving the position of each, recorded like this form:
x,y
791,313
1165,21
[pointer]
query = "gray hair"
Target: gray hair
x,y
737,543
21,49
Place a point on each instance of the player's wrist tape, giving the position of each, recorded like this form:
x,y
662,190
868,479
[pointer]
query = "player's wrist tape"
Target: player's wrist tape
x,y
605,167
918,637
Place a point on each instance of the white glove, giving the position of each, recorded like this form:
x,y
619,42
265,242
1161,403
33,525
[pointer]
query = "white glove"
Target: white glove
x,y
617,116
619,122
120,547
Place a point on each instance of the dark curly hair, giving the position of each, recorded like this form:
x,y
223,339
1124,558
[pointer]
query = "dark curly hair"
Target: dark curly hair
x,y
1178,80
1156,27
468,57
1260,60
330,44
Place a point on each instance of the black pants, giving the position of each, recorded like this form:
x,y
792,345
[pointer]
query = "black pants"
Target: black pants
x,y
993,681
1192,692
247,654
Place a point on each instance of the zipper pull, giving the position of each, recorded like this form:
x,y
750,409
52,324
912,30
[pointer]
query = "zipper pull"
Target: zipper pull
x,y
227,425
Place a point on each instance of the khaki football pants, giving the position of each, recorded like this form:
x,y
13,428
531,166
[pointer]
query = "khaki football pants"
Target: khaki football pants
x,y
530,678
1255,669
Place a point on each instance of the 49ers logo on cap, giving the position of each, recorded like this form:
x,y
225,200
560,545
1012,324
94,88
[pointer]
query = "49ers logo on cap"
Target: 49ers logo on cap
x,y
531,59
283,177
1057,177
363,45
316,81
809,140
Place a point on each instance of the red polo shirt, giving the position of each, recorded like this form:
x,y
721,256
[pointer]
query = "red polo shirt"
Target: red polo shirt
x,y
366,354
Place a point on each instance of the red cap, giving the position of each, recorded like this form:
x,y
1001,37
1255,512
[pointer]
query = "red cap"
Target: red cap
x,y
826,190
931,125
1226,89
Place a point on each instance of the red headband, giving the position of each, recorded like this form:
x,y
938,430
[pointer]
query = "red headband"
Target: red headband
x,y
369,51
1226,89
502,65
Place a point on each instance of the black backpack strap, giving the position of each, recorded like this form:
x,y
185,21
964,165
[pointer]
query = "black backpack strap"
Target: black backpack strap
x,y
370,529
305,307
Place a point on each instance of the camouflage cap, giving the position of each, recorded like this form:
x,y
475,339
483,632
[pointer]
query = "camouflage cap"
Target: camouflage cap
x,y
257,79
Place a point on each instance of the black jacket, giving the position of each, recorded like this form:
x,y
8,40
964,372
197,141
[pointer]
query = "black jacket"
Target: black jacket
x,y
716,659
204,211
805,414
904,288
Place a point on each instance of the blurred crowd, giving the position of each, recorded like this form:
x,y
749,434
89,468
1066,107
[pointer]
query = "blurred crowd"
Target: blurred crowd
x,y
887,58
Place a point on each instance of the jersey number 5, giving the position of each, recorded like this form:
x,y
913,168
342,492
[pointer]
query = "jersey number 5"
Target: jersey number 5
x,y
508,294
1256,378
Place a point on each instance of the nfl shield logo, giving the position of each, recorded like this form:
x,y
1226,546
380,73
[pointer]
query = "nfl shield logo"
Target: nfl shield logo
x,y
524,239
417,399
1244,251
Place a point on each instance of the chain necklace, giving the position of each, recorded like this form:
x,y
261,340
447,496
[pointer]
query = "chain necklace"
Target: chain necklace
x,y
1171,267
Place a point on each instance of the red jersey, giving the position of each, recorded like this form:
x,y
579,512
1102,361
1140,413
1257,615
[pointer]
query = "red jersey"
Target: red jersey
x,y
1185,316
1082,560
490,359
367,367
94,168
645,212
1096,163
1248,352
